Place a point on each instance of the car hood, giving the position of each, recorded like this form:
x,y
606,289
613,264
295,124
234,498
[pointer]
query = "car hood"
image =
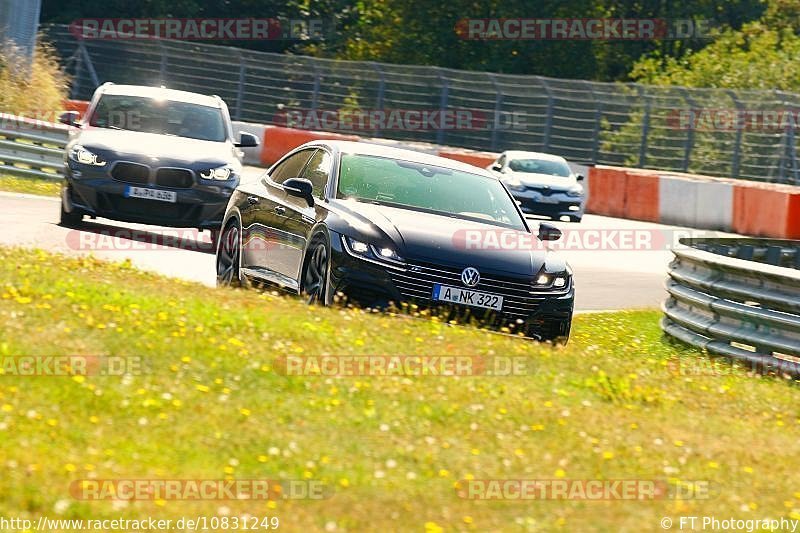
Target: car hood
x,y
430,238
540,180
139,146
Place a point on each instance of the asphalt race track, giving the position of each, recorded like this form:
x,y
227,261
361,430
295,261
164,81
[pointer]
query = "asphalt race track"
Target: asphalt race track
x,y
618,263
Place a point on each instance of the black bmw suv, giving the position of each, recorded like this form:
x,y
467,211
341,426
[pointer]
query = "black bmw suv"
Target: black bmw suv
x,y
151,155
385,226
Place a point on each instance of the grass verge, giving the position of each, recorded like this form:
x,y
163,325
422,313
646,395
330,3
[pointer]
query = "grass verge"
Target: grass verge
x,y
38,186
212,405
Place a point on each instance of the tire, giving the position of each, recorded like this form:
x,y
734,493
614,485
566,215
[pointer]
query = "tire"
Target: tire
x,y
70,220
228,256
316,274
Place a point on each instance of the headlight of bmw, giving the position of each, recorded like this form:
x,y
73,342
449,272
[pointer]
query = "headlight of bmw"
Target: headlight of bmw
x,y
575,191
371,252
222,173
81,155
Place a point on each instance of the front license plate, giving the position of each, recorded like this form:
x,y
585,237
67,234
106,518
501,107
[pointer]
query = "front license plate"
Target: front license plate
x,y
151,194
457,295
547,200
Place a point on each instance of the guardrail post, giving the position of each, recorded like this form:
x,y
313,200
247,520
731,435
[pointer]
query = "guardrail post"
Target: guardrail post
x,y
240,87
598,118
381,85
737,146
548,119
498,108
689,144
440,134
89,66
76,84
163,66
315,89
645,127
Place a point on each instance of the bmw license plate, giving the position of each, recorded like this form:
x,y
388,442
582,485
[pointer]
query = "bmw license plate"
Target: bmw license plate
x,y
151,194
457,295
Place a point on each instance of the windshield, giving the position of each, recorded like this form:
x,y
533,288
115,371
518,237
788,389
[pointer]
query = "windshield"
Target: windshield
x,y
427,188
166,117
540,166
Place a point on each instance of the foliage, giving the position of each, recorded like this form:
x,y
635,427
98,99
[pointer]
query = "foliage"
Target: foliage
x,y
423,32
37,90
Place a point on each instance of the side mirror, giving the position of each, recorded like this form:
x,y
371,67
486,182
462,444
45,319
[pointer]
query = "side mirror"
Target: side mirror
x,y
247,140
580,177
548,232
301,188
497,167
70,118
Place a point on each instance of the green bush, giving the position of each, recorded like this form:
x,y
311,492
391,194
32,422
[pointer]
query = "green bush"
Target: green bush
x,y
37,90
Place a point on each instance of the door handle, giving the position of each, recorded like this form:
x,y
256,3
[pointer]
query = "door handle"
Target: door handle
x,y
280,210
252,200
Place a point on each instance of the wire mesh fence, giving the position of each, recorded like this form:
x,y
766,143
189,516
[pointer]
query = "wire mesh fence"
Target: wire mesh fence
x,y
740,134
19,23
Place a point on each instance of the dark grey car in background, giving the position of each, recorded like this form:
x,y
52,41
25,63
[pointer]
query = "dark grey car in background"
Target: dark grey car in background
x,y
151,155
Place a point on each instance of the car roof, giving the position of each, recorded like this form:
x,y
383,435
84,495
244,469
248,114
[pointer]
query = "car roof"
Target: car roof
x,y
163,93
367,148
520,154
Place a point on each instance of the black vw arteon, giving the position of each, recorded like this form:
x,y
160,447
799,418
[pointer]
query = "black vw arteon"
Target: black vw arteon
x,y
386,226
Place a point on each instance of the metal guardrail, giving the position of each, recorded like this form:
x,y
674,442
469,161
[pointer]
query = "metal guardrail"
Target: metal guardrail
x,y
738,298
31,148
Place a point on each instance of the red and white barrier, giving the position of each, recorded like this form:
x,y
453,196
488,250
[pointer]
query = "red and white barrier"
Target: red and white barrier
x,y
750,208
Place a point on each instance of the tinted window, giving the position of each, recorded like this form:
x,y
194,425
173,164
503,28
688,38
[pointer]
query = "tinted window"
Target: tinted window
x,y
318,170
540,166
291,167
427,187
165,117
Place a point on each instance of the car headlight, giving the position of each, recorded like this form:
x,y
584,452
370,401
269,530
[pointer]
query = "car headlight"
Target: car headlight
x,y
552,281
222,173
371,252
575,191
81,155
514,185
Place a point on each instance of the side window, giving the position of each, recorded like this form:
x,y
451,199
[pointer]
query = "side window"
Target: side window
x,y
318,171
291,167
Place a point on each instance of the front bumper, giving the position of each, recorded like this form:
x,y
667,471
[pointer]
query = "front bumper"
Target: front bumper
x,y
96,194
534,313
553,205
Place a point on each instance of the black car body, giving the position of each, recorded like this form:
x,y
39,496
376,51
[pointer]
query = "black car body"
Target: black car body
x,y
151,155
302,227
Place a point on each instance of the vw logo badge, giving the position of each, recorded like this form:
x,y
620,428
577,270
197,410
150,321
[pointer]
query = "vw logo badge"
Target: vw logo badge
x,y
470,276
